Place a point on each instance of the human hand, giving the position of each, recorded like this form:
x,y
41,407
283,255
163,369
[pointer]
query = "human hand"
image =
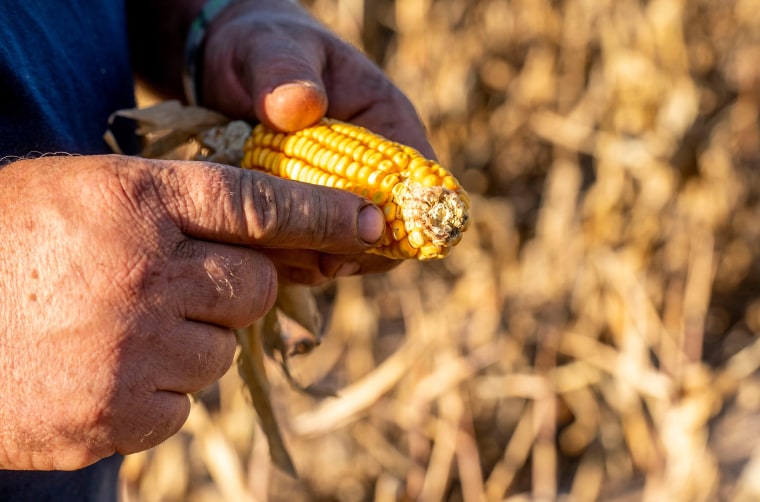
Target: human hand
x,y
272,61
121,278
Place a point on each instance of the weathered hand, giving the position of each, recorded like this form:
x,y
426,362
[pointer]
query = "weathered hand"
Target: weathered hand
x,y
121,279
272,61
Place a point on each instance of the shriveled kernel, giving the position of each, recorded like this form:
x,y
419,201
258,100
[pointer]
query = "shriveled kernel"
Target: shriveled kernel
x,y
379,197
389,182
386,165
416,238
398,189
398,230
389,211
410,225
430,251
387,239
406,249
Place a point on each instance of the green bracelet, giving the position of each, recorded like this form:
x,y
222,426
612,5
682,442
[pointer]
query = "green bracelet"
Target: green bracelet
x,y
195,37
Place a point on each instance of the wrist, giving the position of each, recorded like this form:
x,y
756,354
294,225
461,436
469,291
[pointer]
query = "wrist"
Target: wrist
x,y
196,36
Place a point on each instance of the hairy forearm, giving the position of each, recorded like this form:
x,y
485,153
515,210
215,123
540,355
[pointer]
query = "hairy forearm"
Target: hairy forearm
x,y
158,29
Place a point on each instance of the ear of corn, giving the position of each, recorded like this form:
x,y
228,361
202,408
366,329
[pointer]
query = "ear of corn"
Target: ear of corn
x,y
425,208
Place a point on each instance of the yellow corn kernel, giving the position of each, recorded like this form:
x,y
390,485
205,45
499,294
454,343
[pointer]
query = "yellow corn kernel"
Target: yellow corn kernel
x,y
389,211
425,208
406,249
398,230
416,238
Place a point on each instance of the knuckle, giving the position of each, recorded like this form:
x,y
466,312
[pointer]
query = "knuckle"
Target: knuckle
x,y
213,352
165,413
259,292
264,209
242,286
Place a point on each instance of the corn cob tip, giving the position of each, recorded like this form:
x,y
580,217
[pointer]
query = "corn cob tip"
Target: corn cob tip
x,y
438,212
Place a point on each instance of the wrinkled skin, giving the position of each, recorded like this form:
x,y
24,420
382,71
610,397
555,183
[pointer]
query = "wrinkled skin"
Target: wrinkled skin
x,y
120,285
280,66
121,278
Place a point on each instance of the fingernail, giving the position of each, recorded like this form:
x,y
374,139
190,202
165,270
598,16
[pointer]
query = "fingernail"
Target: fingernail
x,y
295,105
371,224
349,268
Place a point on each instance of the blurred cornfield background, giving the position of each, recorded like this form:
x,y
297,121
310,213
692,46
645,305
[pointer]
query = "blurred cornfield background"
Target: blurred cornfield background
x,y
594,336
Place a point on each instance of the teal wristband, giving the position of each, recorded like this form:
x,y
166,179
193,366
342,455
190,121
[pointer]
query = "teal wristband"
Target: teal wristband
x,y
193,43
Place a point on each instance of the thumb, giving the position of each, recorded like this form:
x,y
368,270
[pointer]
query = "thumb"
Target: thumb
x,y
288,95
236,206
256,57
289,106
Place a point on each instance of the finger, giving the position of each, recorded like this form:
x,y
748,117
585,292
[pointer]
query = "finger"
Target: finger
x,y
361,93
277,68
149,422
339,266
312,268
230,286
191,357
290,106
297,266
282,71
225,204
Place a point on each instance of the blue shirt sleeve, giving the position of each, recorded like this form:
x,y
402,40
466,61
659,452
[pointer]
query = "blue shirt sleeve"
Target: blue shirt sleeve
x,y
64,68
96,483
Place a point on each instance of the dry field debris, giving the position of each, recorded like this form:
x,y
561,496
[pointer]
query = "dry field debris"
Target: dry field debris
x,y
595,335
